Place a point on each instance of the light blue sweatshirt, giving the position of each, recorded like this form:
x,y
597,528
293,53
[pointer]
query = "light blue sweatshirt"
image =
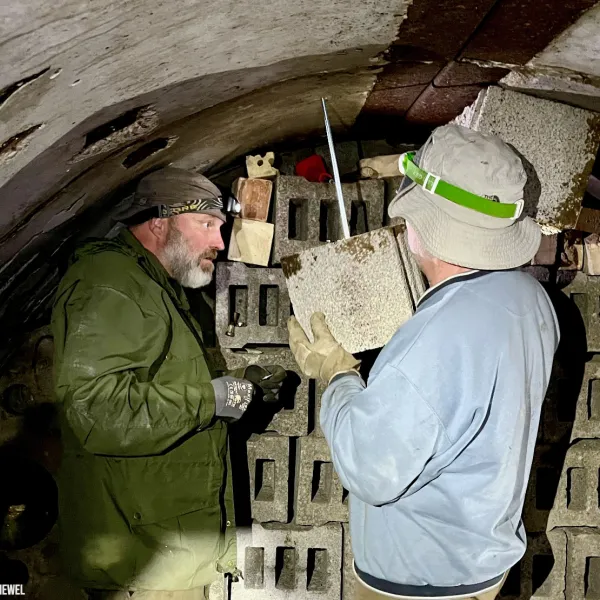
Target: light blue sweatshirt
x,y
436,449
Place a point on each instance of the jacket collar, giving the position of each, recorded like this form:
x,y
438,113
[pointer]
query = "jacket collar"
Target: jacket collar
x,y
154,268
450,281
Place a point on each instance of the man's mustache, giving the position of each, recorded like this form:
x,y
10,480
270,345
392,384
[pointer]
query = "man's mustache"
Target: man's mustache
x,y
211,254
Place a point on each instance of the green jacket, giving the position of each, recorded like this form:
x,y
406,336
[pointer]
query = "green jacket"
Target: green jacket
x,y
144,497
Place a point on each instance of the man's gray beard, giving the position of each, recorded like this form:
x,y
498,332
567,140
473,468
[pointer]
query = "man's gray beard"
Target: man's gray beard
x,y
185,268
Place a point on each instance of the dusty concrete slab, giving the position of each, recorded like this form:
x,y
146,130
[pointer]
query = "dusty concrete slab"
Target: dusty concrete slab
x,y
561,155
360,284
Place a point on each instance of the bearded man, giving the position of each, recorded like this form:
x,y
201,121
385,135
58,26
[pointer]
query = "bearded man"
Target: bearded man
x,y
145,498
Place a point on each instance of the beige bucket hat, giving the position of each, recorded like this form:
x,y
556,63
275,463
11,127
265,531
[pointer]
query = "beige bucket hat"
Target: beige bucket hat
x,y
483,165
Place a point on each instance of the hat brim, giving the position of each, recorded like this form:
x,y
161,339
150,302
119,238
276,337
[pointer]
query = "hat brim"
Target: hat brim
x,y
463,244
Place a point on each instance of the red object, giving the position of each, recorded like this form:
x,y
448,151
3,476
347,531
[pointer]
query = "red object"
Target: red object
x,y
313,169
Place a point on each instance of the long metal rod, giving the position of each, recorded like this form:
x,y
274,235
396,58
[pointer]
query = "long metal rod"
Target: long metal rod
x,y
336,175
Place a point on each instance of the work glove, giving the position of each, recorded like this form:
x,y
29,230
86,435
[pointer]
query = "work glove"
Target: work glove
x,y
324,358
232,397
267,380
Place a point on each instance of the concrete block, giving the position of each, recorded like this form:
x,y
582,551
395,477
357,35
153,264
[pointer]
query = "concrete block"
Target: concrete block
x,y
571,251
255,197
251,242
348,578
346,154
587,416
584,291
541,490
261,167
360,284
576,503
283,562
559,143
546,255
558,409
538,574
306,214
319,496
380,167
416,282
260,297
583,564
269,467
592,254
297,416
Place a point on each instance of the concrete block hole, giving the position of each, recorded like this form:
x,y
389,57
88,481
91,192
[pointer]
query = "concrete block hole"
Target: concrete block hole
x,y
265,480
317,570
298,219
286,562
577,481
592,577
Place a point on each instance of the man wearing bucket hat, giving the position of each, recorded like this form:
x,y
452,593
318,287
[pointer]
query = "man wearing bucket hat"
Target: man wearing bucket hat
x,y
145,494
436,448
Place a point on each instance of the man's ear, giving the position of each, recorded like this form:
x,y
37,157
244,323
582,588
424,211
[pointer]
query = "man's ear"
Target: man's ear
x,y
159,228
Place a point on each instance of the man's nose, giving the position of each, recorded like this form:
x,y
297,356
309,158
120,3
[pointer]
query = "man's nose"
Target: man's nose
x,y
219,244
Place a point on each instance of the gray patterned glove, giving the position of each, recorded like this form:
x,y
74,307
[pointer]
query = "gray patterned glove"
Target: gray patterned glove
x,y
232,397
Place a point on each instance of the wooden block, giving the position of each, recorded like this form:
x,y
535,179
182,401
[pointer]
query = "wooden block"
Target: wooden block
x,y
255,197
380,167
571,256
261,166
592,254
251,242
546,255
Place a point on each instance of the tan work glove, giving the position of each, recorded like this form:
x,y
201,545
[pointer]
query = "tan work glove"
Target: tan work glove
x,y
324,358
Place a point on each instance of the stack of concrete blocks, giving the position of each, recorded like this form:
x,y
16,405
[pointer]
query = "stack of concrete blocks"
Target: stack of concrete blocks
x,y
559,141
298,545
561,514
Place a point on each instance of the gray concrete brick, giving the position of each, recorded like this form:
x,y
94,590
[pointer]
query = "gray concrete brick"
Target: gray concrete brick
x,y
283,562
538,574
584,291
319,495
541,490
261,298
306,214
587,415
583,564
297,416
360,284
348,579
346,154
558,140
269,467
576,503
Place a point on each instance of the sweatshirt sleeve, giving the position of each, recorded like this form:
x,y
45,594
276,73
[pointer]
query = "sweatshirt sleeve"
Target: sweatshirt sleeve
x,y
111,346
381,436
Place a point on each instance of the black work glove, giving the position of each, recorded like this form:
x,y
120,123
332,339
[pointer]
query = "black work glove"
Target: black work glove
x,y
267,381
232,397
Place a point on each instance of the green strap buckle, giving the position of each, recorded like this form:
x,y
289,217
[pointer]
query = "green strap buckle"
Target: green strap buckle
x,y
435,185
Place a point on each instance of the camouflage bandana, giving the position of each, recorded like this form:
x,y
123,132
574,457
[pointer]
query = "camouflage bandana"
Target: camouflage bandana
x,y
201,205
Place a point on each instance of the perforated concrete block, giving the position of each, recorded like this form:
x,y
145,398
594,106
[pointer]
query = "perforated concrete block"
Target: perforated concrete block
x,y
576,503
538,574
319,496
307,215
541,489
296,418
259,296
583,564
269,467
360,284
284,562
584,291
587,416
348,579
558,140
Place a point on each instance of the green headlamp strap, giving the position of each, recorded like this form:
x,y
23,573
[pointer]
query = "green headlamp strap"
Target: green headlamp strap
x,y
434,185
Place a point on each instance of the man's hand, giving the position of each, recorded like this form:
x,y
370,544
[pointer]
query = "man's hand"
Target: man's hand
x,y
324,358
232,397
267,381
